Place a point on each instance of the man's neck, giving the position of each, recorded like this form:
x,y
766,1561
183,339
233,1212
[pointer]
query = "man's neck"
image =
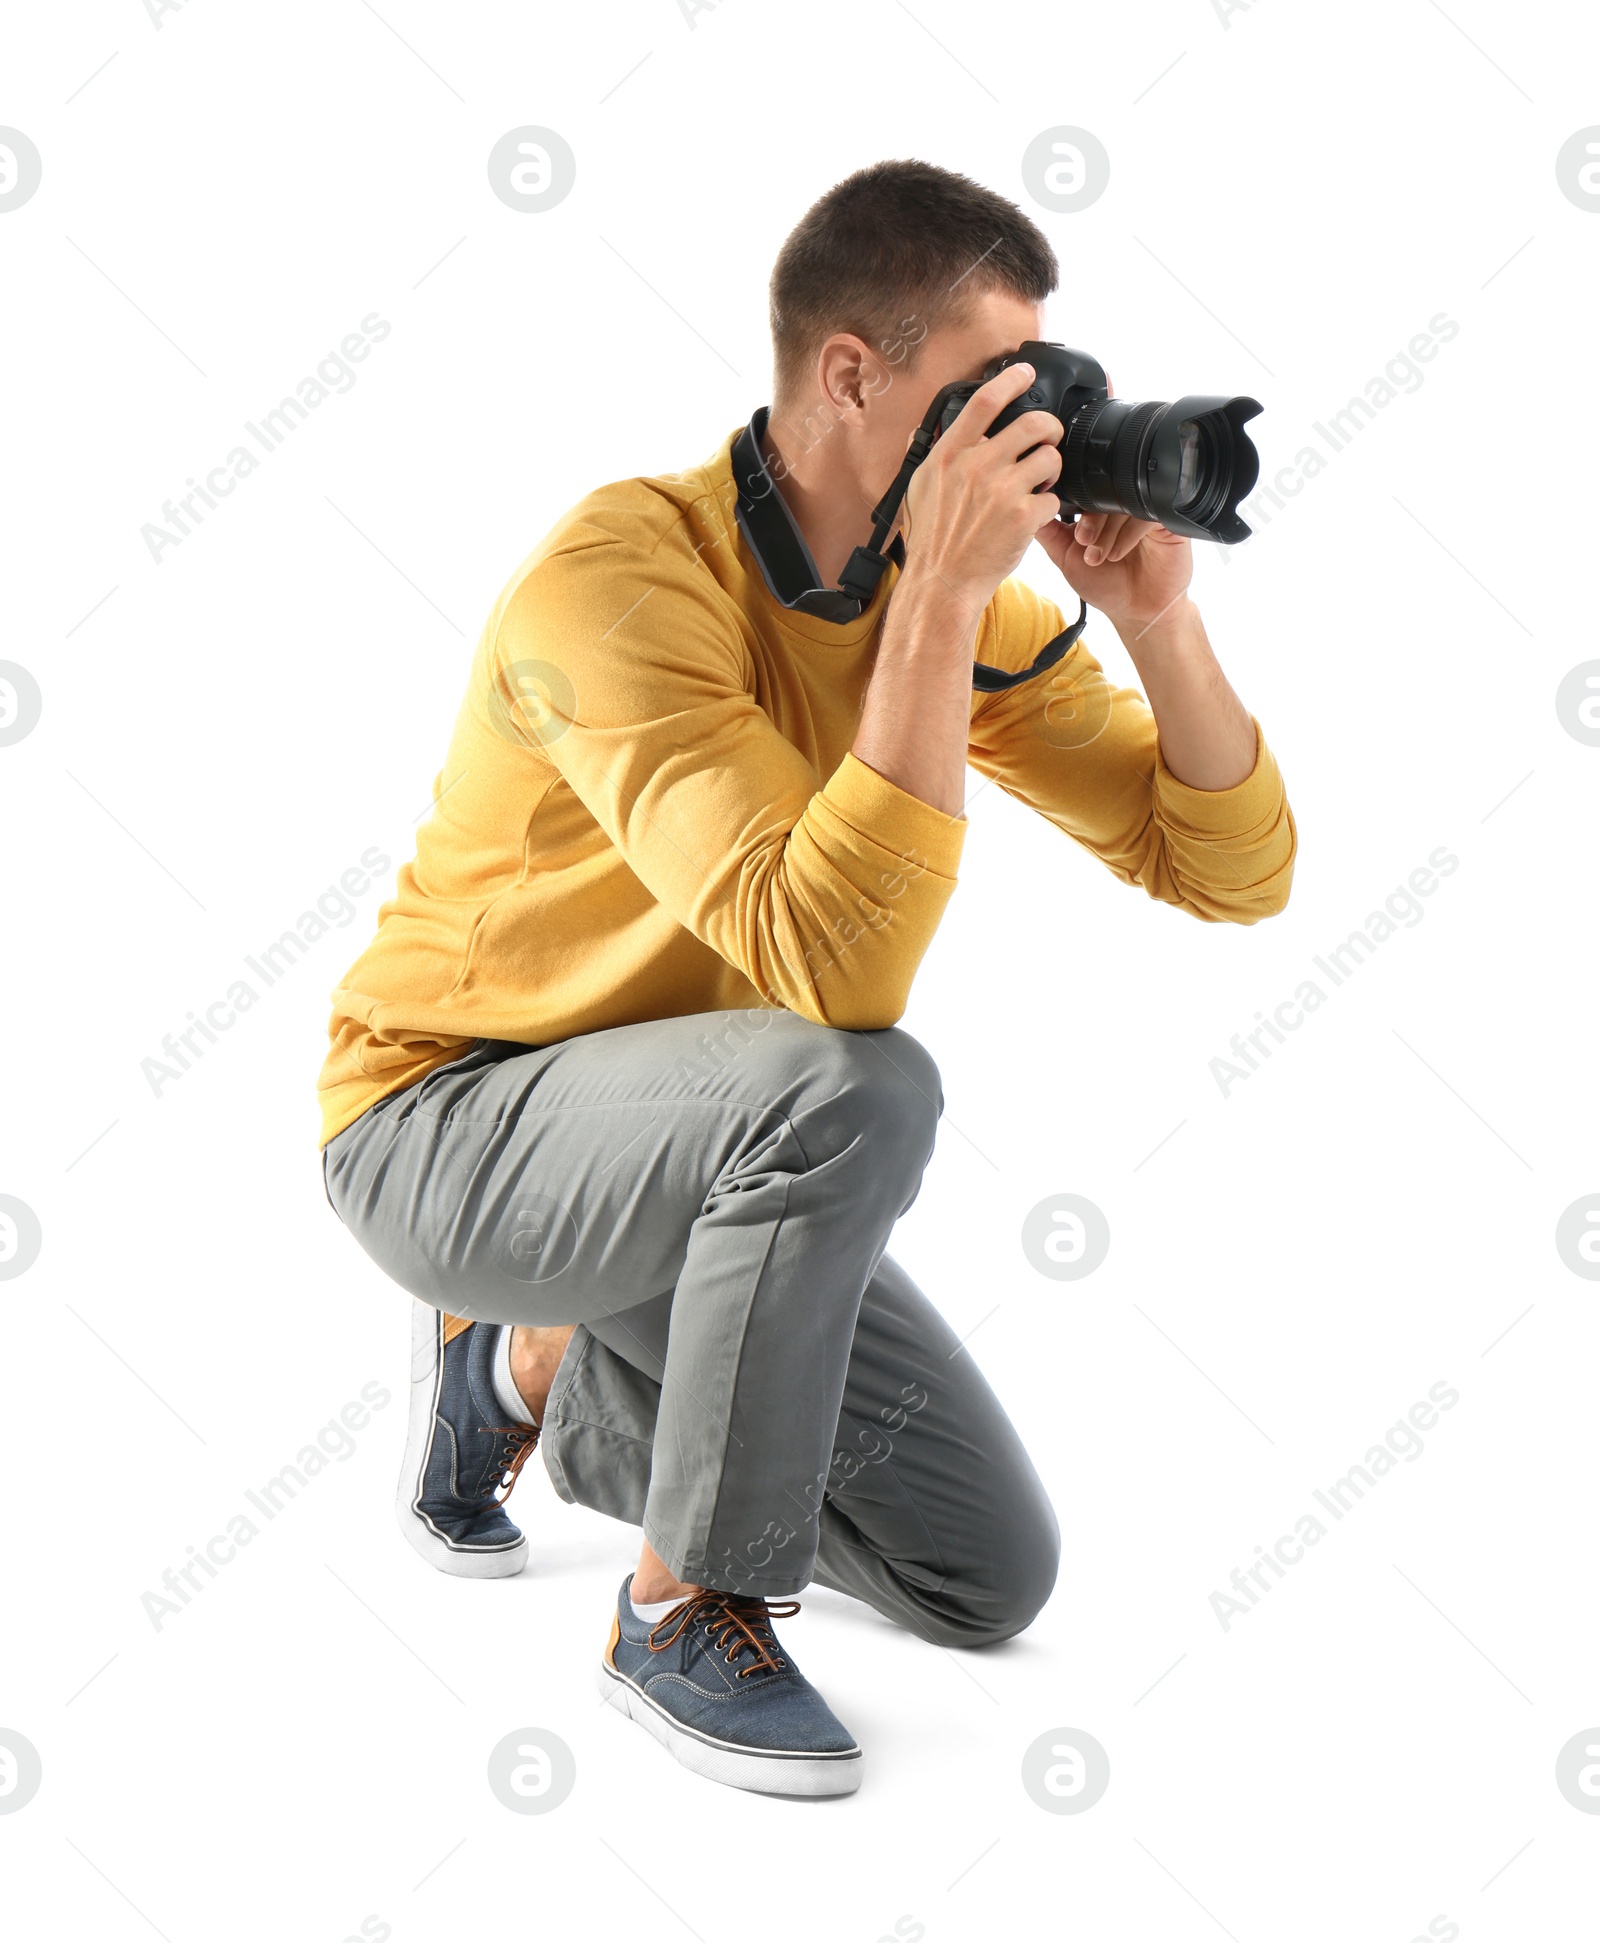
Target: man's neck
x,y
826,501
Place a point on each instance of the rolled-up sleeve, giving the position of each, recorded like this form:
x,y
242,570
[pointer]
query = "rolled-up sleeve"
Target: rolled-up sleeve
x,y
1085,754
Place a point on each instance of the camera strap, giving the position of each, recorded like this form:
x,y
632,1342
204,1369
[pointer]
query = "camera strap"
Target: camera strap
x,y
790,572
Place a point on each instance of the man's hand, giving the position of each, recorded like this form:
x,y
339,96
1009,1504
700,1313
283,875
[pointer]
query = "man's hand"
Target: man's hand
x,y
1131,569
972,509
967,521
1138,575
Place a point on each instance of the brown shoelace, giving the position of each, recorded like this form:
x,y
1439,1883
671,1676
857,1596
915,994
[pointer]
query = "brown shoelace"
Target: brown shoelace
x,y
734,1624
523,1438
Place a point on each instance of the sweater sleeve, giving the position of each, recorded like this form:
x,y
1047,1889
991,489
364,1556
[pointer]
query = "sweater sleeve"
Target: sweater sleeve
x,y
1085,754
824,893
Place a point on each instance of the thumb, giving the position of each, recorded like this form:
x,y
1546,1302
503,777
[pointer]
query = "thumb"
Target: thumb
x,y
1056,537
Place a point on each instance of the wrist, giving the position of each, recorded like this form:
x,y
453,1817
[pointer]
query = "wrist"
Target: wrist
x,y
1174,628
927,607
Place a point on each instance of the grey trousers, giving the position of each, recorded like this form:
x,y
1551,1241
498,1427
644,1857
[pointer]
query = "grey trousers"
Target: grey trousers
x,y
752,1380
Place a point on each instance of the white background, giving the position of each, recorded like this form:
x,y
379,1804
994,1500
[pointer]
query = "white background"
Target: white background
x,y
1372,1746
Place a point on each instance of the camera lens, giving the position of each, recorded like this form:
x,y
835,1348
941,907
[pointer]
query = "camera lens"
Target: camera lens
x,y
1191,461
1185,465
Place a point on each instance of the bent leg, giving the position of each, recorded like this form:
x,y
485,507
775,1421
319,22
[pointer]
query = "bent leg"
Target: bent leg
x,y
931,1511
935,1516
753,1192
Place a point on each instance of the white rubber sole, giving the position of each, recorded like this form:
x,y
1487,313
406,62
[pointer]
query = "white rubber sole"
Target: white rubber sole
x,y
460,1561
809,1775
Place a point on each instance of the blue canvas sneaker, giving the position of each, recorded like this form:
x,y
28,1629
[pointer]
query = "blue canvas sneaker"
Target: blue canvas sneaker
x,y
462,1458
711,1683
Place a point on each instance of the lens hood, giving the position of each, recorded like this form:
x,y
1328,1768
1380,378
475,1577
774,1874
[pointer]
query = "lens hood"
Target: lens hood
x,y
1223,460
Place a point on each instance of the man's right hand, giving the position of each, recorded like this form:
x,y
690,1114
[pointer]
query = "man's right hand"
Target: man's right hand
x,y
972,509
971,512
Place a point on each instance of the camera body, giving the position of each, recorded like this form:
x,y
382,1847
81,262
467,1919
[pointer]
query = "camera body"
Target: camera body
x,y
1184,465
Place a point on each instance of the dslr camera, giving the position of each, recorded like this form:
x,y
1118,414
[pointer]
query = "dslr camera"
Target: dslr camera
x,y
1184,465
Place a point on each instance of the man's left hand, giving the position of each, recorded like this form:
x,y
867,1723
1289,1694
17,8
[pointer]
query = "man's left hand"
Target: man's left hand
x,y
1131,569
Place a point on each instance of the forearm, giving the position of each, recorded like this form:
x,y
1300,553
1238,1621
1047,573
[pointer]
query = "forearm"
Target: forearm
x,y
916,711
1207,738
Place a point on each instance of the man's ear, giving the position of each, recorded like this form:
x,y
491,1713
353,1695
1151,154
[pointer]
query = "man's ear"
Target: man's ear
x,y
848,372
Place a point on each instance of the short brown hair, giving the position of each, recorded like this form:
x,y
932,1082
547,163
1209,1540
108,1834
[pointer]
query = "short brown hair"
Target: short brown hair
x,y
897,240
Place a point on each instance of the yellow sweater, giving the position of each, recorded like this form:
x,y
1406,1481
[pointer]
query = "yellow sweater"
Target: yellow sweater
x,y
649,807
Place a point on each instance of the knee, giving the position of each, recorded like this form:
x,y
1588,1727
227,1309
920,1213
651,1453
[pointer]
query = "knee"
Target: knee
x,y
1027,1577
881,1088
1010,1594
894,1084
907,1057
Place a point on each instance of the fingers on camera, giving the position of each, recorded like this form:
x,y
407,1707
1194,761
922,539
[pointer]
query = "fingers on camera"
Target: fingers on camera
x,y
1041,467
1031,429
1109,537
992,397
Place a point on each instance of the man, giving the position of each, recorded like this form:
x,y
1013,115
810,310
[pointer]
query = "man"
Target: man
x,y
617,1091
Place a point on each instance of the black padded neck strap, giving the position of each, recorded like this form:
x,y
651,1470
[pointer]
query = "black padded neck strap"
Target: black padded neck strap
x,y
790,572
778,544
